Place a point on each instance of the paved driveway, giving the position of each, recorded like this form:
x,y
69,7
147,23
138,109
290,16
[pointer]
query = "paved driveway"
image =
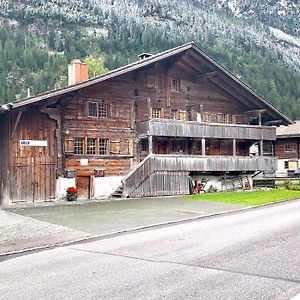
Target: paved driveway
x,y
111,216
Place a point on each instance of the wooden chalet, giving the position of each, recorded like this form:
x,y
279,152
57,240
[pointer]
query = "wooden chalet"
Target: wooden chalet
x,y
287,148
145,128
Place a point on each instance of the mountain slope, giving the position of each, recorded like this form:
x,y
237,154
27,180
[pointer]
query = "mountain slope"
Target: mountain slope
x,y
262,50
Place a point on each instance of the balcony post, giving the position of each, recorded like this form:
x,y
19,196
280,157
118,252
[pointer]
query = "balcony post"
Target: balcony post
x,y
149,109
203,147
150,142
234,147
261,148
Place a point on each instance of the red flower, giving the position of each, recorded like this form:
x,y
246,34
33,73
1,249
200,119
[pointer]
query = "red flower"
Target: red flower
x,y
72,190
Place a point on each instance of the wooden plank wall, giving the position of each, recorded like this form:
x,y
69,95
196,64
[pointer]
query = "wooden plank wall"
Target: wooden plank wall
x,y
33,169
163,183
4,146
280,148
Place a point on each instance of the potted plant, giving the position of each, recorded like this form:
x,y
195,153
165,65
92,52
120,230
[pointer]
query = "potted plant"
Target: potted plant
x,y
72,194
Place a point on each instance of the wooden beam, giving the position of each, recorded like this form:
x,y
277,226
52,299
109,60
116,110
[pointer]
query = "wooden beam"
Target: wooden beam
x,y
204,77
16,122
255,111
203,147
272,122
199,68
234,147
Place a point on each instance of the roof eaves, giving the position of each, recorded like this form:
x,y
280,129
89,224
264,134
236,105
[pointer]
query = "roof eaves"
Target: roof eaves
x,y
243,84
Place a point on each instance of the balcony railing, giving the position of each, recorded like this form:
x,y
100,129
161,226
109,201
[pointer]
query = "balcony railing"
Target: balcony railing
x,y
192,129
213,163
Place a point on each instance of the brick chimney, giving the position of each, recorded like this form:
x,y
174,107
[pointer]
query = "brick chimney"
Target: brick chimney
x,y
77,72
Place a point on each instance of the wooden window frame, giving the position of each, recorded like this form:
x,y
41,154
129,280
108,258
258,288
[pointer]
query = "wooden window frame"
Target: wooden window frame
x,y
289,147
225,118
77,147
103,110
207,117
175,85
158,83
156,113
89,103
286,164
144,145
105,150
91,149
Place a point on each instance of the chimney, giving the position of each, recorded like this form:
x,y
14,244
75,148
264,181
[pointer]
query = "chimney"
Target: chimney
x,y
77,72
144,55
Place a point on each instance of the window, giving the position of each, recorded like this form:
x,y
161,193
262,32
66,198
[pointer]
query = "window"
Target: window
x,y
182,115
78,146
174,114
231,119
92,109
156,113
207,117
175,85
225,118
103,110
91,146
289,147
158,83
103,146
144,145
286,164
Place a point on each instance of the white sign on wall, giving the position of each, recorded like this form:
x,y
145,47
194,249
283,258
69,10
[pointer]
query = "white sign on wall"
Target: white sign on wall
x,y
33,143
84,162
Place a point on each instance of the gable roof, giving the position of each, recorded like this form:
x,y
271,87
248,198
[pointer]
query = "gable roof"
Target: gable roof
x,y
260,101
292,130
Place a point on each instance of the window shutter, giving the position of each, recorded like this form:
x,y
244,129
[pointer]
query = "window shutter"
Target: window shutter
x,y
183,85
115,146
69,145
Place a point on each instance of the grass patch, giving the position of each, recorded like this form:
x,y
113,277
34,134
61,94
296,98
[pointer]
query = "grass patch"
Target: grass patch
x,y
249,198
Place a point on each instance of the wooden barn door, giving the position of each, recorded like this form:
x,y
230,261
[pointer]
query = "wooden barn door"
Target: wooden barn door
x,y
32,170
33,179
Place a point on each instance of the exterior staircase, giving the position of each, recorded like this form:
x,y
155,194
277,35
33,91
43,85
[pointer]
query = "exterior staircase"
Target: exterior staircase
x,y
118,193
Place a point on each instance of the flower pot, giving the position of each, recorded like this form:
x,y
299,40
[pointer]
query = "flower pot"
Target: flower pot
x,y
72,197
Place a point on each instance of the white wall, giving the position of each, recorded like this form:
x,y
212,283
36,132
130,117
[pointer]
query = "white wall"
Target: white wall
x,y
61,186
104,186
280,167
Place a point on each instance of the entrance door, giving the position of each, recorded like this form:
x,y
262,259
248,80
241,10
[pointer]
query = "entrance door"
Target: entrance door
x,y
83,185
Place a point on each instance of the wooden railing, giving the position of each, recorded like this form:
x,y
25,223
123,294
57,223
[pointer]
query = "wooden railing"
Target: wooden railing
x,y
137,176
213,163
175,128
168,174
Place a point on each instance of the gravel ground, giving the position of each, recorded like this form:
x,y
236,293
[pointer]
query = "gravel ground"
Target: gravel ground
x,y
19,232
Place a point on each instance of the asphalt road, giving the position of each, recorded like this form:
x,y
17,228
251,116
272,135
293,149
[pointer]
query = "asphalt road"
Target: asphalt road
x,y
252,254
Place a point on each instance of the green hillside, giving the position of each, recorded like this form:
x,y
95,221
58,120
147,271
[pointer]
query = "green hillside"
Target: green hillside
x,y
35,55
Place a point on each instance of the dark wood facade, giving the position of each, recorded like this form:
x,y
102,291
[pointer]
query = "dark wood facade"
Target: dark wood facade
x,y
139,122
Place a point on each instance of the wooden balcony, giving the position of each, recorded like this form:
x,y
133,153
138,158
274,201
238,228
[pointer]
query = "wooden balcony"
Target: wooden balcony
x,y
192,129
213,163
